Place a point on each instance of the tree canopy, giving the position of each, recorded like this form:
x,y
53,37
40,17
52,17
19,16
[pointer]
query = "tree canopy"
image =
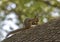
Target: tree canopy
x,y
28,8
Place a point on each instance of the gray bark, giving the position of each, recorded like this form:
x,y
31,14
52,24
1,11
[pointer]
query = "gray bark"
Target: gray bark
x,y
48,32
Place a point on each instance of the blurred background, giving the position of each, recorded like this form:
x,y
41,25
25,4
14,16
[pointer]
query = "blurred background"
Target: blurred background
x,y
13,13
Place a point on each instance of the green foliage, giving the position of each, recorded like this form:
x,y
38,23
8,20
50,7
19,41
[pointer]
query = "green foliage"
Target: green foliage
x,y
28,8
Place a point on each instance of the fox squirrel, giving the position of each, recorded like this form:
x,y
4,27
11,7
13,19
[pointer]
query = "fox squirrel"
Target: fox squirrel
x,y
28,22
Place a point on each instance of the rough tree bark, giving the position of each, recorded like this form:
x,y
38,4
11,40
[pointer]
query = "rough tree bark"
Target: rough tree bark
x,y
48,32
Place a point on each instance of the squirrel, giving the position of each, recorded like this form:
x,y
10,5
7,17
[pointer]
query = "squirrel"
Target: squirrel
x,y
28,22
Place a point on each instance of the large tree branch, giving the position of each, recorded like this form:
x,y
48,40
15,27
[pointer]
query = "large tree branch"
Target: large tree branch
x,y
48,32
